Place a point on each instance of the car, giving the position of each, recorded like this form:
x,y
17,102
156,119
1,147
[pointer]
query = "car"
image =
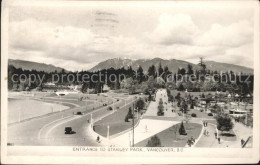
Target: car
x,y
104,104
79,113
109,108
68,130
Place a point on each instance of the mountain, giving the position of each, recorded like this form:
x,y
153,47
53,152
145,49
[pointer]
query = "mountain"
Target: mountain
x,y
145,63
212,65
29,65
172,64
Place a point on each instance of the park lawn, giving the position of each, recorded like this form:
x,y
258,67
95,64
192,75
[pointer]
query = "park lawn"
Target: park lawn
x,y
169,138
211,121
116,122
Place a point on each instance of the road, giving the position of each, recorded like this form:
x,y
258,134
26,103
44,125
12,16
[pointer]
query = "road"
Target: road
x,y
49,129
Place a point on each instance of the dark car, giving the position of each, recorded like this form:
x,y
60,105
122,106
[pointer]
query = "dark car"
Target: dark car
x,y
68,130
109,108
79,113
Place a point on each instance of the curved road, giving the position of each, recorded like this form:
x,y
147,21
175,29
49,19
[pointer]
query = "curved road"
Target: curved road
x,y
49,129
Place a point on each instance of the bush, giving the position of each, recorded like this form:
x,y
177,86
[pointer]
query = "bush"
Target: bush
x,y
154,142
210,114
193,115
140,104
224,123
126,118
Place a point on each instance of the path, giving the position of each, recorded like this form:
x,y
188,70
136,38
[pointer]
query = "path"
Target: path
x,y
151,124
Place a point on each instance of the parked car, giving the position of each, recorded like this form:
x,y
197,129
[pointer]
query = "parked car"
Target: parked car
x,y
109,108
193,115
104,104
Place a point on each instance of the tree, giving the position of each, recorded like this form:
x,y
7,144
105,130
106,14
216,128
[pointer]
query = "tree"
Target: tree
x,y
181,71
140,104
151,71
150,82
166,73
182,130
129,84
160,108
184,106
224,123
140,74
160,82
203,66
190,70
160,69
154,142
129,115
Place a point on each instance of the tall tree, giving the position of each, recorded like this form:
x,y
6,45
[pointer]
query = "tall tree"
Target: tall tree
x,y
140,74
190,69
151,71
160,69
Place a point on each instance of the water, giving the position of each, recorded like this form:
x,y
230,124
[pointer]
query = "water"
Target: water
x,y
27,108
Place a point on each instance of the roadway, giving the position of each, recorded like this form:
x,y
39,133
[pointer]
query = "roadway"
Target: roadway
x,y
49,129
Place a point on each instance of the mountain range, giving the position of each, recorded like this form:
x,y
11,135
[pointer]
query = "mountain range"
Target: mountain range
x,y
172,64
29,65
117,63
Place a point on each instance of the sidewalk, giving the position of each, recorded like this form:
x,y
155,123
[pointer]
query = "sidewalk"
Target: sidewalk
x,y
149,127
210,141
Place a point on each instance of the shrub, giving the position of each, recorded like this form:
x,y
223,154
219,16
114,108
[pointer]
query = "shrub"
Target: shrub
x,y
154,142
224,123
126,118
193,115
140,104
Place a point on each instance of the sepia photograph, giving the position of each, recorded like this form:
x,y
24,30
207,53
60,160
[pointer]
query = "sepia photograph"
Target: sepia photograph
x,y
112,80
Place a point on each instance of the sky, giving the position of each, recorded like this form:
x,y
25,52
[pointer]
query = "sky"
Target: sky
x,y
79,37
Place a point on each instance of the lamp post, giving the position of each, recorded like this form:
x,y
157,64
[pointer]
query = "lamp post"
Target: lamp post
x,y
107,131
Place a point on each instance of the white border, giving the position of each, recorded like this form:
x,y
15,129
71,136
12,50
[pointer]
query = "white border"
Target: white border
x,y
67,156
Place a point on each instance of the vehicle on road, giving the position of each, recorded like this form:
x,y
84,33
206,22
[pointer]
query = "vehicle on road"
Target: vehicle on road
x,y
104,104
79,113
68,130
109,108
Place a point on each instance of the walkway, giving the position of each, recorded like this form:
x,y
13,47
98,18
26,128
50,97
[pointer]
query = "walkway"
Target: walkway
x,y
149,126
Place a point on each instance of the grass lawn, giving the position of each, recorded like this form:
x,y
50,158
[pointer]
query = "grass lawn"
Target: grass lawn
x,y
169,138
211,121
116,122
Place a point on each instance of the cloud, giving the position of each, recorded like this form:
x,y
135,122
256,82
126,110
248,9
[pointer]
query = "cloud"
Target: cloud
x,y
172,36
233,35
174,29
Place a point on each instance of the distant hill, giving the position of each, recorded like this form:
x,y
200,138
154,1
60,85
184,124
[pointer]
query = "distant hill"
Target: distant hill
x,y
172,64
29,65
212,65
